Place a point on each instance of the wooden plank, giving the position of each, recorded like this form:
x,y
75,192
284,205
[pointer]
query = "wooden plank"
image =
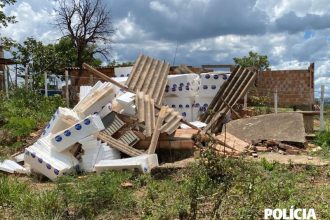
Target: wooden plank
x,y
232,142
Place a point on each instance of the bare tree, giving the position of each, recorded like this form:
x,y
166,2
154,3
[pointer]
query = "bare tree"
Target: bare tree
x,y
88,24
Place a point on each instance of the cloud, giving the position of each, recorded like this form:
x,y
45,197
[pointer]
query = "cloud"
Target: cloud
x,y
292,33
292,23
32,20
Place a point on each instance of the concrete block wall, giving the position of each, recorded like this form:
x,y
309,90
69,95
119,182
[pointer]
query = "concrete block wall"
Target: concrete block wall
x,y
295,87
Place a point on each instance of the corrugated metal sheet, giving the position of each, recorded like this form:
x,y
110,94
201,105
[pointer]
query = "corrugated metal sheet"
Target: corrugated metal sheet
x,y
149,76
229,93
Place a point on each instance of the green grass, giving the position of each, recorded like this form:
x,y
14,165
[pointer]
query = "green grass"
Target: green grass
x,y
212,188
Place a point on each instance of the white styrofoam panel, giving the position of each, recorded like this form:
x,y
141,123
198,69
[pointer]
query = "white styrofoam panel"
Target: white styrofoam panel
x,y
106,110
64,139
83,91
95,151
123,71
210,83
100,95
43,159
127,102
144,163
182,85
183,105
57,122
122,80
10,166
200,106
198,124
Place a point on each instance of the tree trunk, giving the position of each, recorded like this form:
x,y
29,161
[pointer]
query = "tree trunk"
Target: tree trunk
x,y
79,63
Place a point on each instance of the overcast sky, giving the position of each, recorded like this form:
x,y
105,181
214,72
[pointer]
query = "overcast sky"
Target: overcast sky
x,y
292,33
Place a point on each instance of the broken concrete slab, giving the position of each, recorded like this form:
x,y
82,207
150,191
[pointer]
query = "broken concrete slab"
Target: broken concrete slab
x,y
287,127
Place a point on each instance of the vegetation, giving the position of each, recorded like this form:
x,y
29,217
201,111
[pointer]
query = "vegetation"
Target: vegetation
x,y
5,19
87,24
212,188
255,60
52,58
23,113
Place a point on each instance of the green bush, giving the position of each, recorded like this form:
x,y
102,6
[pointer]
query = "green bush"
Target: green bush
x,y
24,112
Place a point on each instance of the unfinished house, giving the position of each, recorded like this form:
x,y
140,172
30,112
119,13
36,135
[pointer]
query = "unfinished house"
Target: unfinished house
x,y
294,87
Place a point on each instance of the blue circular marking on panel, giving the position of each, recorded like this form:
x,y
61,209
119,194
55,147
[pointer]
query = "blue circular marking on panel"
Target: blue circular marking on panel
x,y
48,166
77,127
40,160
33,155
184,114
205,87
58,138
56,171
67,133
187,105
215,76
207,76
213,86
87,121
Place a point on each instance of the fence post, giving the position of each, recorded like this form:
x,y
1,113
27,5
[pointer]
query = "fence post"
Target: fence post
x,y
26,77
5,73
275,100
322,109
46,86
67,88
245,101
91,80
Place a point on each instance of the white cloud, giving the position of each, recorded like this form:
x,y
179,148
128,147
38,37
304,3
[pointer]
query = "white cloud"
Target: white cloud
x,y
31,22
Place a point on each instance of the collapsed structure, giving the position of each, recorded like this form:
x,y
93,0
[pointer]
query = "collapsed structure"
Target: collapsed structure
x,y
114,119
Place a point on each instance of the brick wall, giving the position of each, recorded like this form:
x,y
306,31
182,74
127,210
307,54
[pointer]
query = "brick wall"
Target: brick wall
x,y
295,87
87,78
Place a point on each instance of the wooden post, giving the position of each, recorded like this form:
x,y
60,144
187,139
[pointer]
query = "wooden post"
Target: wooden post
x,y
26,77
46,86
91,80
16,68
275,100
5,73
245,101
322,109
67,88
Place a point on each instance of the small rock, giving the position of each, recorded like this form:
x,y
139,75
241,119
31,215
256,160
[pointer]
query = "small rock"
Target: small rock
x,y
127,184
255,155
310,158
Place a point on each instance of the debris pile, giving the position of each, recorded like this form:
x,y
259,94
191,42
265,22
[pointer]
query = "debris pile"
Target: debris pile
x,y
119,123
274,146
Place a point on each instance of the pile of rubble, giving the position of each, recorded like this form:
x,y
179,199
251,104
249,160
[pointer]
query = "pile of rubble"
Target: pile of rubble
x,y
119,126
274,146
